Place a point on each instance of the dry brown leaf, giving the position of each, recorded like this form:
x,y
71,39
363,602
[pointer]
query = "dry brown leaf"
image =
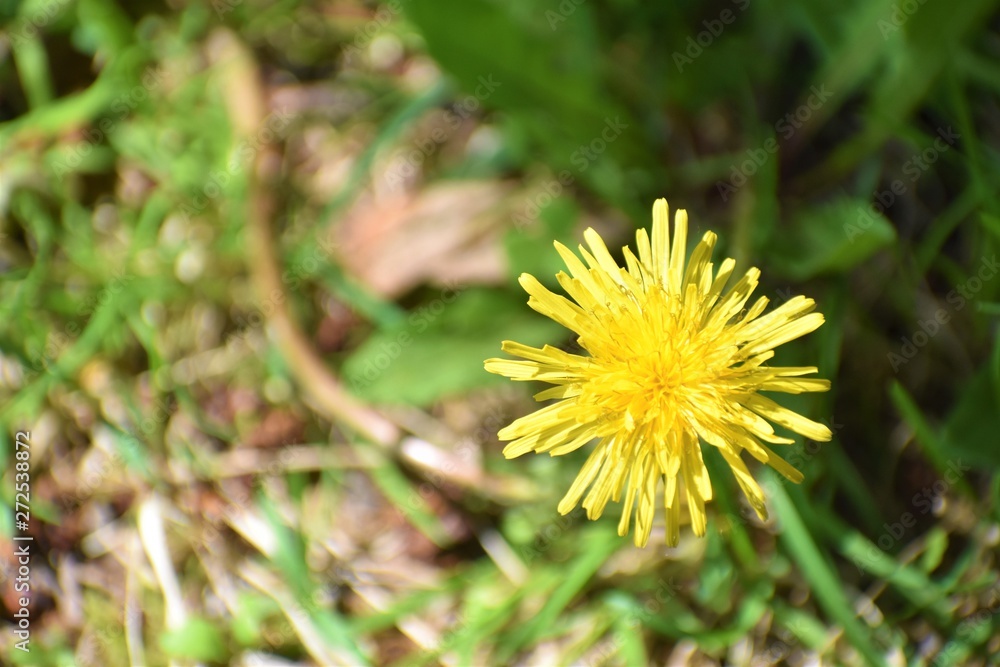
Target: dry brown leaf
x,y
447,234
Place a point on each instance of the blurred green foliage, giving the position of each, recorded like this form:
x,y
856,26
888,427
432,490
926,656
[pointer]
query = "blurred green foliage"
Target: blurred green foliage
x,y
808,134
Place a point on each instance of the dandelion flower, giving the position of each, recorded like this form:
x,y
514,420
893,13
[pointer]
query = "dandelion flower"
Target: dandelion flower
x,y
673,361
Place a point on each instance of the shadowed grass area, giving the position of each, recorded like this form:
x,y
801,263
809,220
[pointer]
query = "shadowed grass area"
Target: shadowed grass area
x,y
253,255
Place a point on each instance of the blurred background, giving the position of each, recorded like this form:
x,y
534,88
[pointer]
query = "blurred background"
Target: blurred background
x,y
253,254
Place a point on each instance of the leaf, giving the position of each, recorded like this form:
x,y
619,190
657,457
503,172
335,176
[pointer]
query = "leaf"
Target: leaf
x,y
818,571
529,250
971,428
933,444
251,613
441,347
832,238
916,42
197,639
449,232
514,57
933,34
546,75
576,575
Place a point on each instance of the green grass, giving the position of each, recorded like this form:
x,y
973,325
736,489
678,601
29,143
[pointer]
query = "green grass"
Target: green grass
x,y
137,347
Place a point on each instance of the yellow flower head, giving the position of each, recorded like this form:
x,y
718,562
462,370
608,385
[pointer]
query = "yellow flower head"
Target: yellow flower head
x,y
673,360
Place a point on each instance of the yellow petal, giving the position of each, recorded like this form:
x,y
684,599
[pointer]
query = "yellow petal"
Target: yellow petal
x,y
721,278
678,251
556,307
671,359
635,480
791,309
699,258
545,438
673,517
751,489
561,391
587,475
646,510
645,251
795,386
661,241
696,503
734,300
600,252
793,421
783,467
781,335
554,415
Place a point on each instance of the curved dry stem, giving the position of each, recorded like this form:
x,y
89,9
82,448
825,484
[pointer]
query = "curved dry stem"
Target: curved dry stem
x,y
246,106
